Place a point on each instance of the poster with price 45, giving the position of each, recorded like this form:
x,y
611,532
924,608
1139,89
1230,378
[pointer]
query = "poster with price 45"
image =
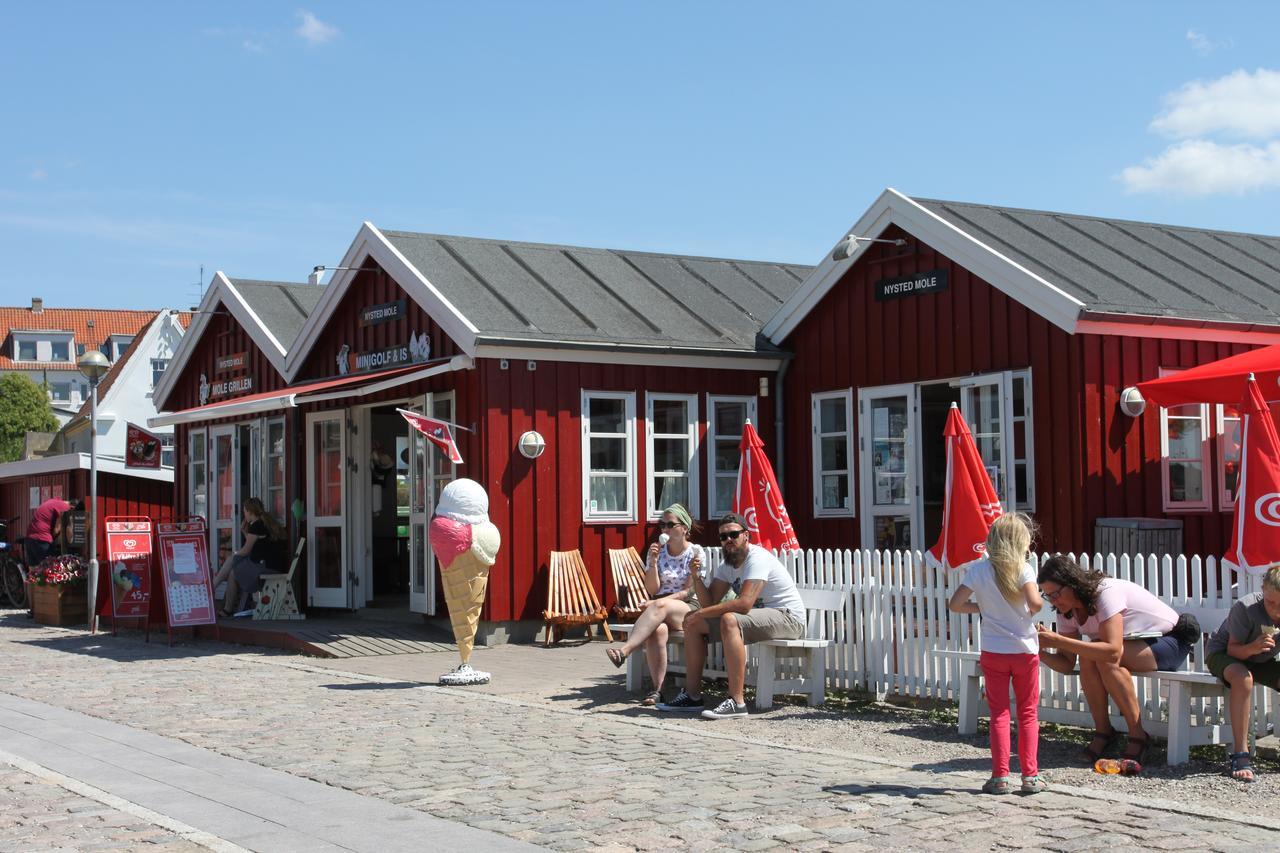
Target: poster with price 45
x,y
129,561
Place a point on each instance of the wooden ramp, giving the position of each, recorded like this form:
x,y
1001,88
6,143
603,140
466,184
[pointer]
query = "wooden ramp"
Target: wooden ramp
x,y
337,637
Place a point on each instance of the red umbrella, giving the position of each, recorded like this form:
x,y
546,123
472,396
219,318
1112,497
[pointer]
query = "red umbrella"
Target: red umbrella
x,y
1220,381
970,503
758,498
1255,528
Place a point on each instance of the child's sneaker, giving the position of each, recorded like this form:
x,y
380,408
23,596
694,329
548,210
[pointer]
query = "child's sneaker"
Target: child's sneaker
x,y
682,702
725,710
1033,785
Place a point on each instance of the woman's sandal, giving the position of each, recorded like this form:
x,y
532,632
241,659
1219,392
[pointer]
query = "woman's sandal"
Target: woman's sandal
x,y
1239,763
653,697
616,657
1089,755
1140,755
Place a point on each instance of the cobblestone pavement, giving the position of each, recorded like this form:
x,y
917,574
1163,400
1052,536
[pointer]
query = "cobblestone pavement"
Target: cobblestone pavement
x,y
560,777
39,814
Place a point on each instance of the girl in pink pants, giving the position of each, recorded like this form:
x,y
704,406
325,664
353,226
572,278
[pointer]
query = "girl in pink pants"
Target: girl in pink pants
x,y
1002,589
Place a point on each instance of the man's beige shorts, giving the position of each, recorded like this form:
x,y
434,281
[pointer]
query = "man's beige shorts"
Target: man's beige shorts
x,y
757,624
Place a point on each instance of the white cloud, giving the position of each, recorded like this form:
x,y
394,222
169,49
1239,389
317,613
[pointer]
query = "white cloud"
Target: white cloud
x,y
1199,167
1240,104
1204,45
314,30
38,174
253,46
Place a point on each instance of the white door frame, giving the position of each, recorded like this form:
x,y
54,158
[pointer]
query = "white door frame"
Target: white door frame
x,y
913,508
421,562
212,471
1002,383
339,596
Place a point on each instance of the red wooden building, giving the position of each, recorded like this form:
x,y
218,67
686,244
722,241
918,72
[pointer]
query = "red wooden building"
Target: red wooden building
x,y
1034,323
636,370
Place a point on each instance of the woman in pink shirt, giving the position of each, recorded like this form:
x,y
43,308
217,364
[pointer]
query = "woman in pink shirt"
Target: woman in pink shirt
x,y
1114,628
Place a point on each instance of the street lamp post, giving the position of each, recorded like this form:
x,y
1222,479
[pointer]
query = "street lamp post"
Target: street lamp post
x,y
94,365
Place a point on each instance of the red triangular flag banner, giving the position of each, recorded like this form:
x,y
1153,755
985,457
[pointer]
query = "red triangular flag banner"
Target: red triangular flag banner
x,y
1255,528
970,503
758,498
437,432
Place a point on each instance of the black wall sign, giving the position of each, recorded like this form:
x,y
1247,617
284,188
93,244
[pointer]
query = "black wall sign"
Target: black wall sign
x,y
934,281
372,315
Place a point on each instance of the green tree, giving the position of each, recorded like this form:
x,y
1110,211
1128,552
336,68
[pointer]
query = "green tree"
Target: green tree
x,y
24,407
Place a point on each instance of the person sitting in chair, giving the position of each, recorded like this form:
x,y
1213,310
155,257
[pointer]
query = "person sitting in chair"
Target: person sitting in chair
x,y
768,607
255,557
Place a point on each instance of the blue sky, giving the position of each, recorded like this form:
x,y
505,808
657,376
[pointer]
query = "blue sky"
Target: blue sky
x,y
144,139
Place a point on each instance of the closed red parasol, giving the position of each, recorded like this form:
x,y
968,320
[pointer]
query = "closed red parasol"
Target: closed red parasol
x,y
758,498
1255,529
970,503
1220,381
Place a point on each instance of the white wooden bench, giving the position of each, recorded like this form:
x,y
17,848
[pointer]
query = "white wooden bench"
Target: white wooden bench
x,y
1183,686
763,657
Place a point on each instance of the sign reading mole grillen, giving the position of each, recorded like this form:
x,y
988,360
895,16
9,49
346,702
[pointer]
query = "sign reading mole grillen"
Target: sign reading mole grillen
x,y
934,281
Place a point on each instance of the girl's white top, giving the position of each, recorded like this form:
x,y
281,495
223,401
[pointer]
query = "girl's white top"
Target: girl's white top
x,y
1006,628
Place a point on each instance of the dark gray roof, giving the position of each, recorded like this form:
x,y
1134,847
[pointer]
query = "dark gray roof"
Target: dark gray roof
x,y
549,294
1119,267
283,306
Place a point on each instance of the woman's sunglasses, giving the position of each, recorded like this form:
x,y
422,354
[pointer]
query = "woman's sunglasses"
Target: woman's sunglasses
x,y
731,534
667,525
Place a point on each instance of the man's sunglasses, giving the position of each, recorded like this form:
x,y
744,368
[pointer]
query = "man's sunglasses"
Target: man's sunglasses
x,y
731,534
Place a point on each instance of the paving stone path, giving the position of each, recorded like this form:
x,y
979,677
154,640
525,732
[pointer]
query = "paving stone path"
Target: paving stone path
x,y
559,778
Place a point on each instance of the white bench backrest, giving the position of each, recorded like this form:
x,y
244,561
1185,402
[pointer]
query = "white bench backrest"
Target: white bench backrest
x,y
818,603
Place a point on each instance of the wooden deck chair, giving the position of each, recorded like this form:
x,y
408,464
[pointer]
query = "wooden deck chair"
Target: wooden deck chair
x,y
628,582
276,600
571,599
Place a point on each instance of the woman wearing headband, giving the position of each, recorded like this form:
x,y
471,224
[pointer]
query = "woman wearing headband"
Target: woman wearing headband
x,y
668,578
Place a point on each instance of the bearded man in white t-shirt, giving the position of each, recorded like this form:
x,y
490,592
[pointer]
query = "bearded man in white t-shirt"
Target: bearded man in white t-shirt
x,y
767,607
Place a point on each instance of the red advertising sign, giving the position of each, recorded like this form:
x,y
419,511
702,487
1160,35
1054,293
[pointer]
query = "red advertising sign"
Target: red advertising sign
x,y
141,448
129,556
188,586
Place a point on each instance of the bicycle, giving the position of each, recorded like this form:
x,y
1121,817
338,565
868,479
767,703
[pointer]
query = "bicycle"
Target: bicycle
x,y
13,574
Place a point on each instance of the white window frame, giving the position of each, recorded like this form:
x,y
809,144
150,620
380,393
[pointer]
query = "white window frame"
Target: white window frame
x,y
155,375
1026,418
66,385
1226,501
816,401
202,437
18,341
267,457
629,456
654,512
712,436
1205,503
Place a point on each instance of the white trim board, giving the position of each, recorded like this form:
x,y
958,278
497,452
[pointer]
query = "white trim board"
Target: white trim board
x,y
80,462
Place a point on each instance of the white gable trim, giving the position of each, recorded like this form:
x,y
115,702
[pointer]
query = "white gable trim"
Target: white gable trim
x,y
221,291
893,208
371,243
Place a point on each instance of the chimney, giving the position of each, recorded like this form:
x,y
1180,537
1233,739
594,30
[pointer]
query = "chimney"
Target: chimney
x,y
316,275
37,305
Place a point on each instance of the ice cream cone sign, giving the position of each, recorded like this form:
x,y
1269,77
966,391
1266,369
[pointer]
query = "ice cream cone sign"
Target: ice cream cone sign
x,y
466,544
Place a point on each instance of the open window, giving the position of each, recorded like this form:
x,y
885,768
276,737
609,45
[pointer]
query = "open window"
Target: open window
x,y
1184,457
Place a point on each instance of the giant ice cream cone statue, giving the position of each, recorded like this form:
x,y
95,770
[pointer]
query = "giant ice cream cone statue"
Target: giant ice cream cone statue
x,y
466,544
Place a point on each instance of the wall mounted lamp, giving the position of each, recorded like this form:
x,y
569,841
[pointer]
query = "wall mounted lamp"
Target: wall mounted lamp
x,y
846,247
318,271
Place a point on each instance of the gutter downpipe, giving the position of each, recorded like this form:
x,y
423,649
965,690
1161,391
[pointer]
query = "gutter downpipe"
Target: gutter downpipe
x,y
780,464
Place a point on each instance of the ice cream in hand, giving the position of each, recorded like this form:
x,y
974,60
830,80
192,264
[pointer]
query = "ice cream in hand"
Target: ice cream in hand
x,y
466,544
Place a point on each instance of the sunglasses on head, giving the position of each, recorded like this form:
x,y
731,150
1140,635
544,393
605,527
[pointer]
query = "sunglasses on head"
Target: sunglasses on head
x,y
667,525
731,534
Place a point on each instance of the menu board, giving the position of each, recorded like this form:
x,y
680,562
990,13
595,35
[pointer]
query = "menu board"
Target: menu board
x,y
129,559
188,585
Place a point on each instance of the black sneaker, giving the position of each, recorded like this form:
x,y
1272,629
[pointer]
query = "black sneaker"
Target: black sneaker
x,y
725,710
682,702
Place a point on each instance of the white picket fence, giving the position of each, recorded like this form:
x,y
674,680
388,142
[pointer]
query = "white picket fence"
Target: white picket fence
x,y
899,622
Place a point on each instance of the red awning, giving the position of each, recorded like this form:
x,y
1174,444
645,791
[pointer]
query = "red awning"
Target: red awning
x,y
285,398
1221,381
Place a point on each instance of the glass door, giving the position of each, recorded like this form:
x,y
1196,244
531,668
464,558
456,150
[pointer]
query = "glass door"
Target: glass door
x,y
982,404
326,547
421,572
224,527
890,504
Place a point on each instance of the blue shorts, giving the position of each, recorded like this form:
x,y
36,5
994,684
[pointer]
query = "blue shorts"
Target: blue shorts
x,y
1170,652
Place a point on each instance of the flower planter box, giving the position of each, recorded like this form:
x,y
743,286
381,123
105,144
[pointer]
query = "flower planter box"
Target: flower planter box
x,y
59,605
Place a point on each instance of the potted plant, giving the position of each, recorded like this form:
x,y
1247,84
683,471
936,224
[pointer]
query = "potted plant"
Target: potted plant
x,y
58,590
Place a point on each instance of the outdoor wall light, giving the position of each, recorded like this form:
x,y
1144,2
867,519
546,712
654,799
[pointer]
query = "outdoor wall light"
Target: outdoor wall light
x,y
531,444
846,247
1131,402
